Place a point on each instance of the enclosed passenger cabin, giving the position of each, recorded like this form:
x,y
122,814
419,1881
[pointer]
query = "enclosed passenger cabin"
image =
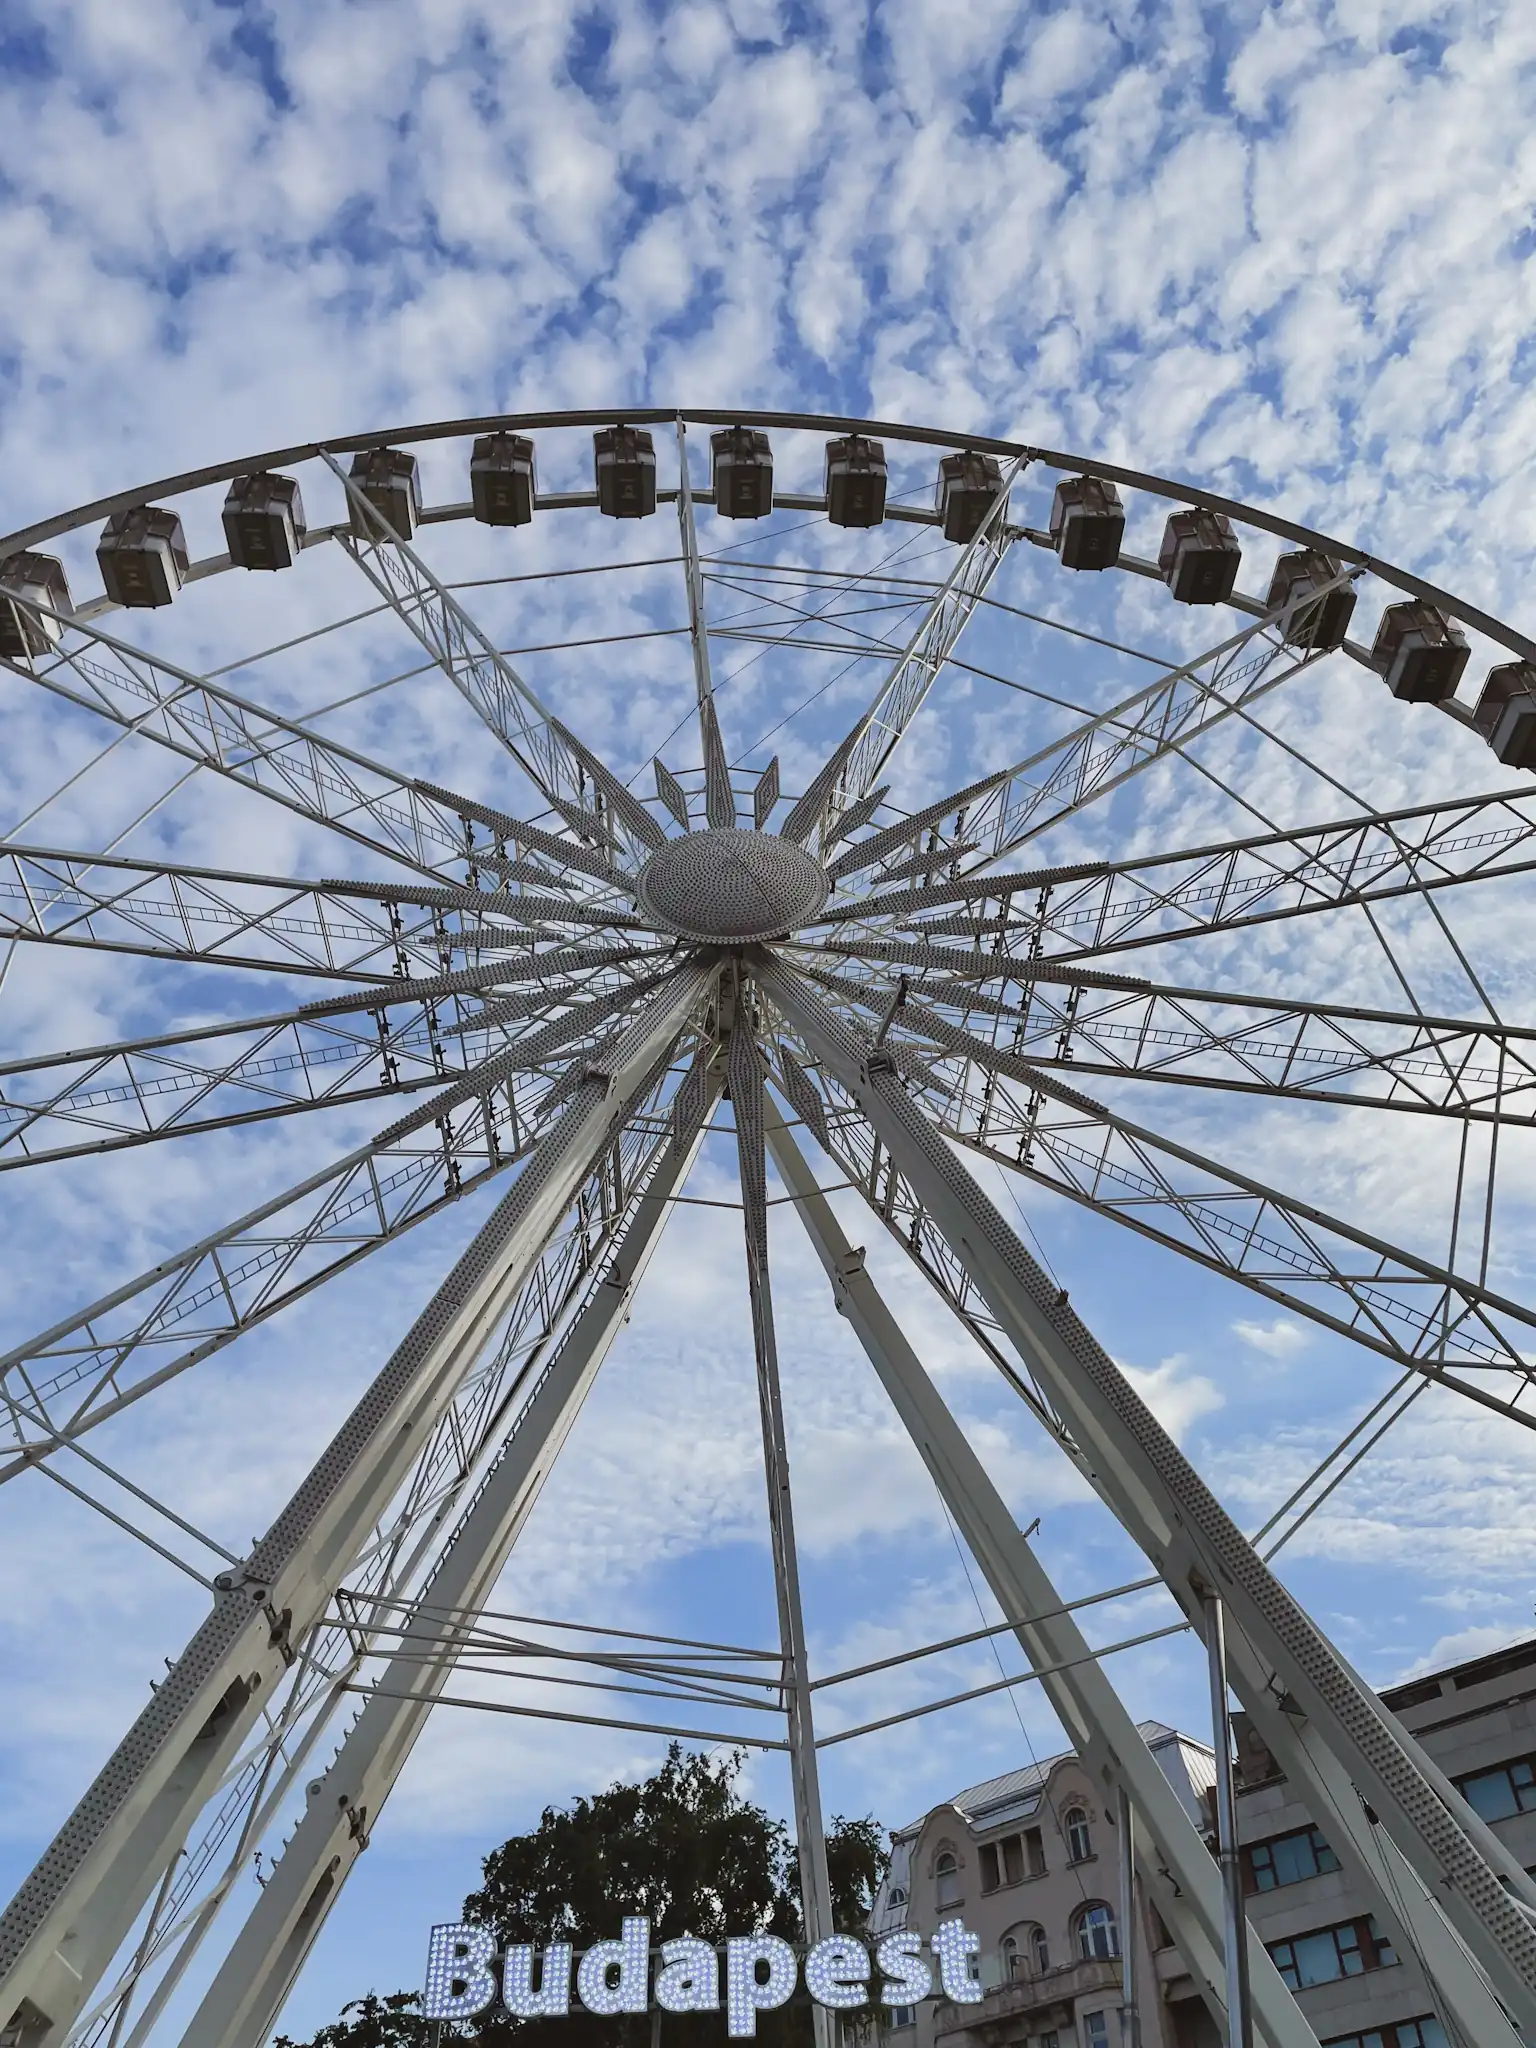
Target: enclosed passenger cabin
x,y
741,472
1301,577
1199,556
625,461
388,479
855,481
264,521
501,480
143,556
1506,713
1087,523
40,579
967,488
1420,653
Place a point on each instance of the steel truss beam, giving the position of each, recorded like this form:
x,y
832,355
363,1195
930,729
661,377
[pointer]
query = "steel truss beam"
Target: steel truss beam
x,y
169,911
235,737
1124,1027
1000,812
421,1034
390,1562
71,1916
744,1066
244,2000
96,1362
1107,906
1174,1863
1414,1842
559,768
719,798
867,749
1447,1327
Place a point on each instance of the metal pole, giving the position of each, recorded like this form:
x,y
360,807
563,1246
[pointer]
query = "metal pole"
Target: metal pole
x,y
1130,2020
1239,2019
745,1076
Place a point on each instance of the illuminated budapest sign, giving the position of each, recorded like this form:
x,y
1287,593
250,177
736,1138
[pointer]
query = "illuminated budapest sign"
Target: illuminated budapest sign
x,y
466,1976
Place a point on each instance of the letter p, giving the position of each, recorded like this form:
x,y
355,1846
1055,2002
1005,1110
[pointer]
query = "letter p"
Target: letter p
x,y
746,1993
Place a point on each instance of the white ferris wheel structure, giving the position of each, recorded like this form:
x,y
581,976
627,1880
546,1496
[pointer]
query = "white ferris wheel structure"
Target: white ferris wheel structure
x,y
568,976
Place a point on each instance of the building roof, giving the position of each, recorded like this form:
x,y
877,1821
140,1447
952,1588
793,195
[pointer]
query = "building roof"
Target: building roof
x,y
981,1805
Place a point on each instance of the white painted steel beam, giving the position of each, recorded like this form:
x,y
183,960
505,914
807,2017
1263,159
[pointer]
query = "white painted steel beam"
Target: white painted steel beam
x,y
745,1071
1482,1953
1175,1864
60,1933
245,2000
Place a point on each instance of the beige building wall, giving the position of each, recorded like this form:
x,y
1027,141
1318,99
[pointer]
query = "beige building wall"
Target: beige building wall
x,y
1030,1862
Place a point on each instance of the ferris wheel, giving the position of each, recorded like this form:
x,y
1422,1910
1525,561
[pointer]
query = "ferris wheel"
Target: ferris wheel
x,y
568,975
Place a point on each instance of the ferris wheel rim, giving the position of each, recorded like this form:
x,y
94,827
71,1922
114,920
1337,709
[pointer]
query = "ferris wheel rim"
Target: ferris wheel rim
x,y
1175,490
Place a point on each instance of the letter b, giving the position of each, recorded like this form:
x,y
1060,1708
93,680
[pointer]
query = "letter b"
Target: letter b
x,y
460,1980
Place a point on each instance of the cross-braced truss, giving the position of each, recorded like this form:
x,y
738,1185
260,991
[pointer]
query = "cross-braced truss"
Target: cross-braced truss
x,y
563,980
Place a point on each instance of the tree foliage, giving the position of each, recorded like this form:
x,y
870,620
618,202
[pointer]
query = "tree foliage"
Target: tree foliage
x,y
685,1847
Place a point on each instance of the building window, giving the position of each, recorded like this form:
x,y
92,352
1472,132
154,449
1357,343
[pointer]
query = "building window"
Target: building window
x,y
898,1895
1021,1950
1039,1950
1287,1859
1331,1952
1050,2040
903,2015
1096,1933
1423,2033
1079,1841
946,1879
1011,1859
1496,1795
1095,2030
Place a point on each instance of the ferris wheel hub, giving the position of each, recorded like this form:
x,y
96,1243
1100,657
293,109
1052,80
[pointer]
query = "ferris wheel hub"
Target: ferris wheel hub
x,y
730,887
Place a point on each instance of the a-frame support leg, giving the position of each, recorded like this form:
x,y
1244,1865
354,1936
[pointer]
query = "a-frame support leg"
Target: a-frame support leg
x,y
1175,1864
1411,1842
745,1071
244,2001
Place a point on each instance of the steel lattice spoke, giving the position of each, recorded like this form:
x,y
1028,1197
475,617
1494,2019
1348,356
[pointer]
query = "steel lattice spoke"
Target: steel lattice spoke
x,y
420,1034
1118,1025
541,746
91,1365
862,756
1404,1307
1104,906
1000,812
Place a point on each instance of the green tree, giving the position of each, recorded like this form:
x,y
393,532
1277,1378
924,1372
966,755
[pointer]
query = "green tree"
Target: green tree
x,y
685,1847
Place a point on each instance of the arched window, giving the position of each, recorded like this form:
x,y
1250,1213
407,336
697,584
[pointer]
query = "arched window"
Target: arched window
x,y
946,1878
1079,1841
898,1895
1024,1952
1097,1934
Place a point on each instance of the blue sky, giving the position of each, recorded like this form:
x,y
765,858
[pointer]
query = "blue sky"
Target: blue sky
x,y
1282,250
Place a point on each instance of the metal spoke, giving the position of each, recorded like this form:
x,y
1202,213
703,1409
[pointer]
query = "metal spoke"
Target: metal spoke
x,y
1442,1325
1105,906
719,801
91,1365
101,1098
1000,812
1121,1026
213,727
536,740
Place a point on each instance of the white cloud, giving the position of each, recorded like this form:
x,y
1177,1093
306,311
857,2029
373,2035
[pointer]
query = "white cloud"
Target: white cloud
x,y
1278,1339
